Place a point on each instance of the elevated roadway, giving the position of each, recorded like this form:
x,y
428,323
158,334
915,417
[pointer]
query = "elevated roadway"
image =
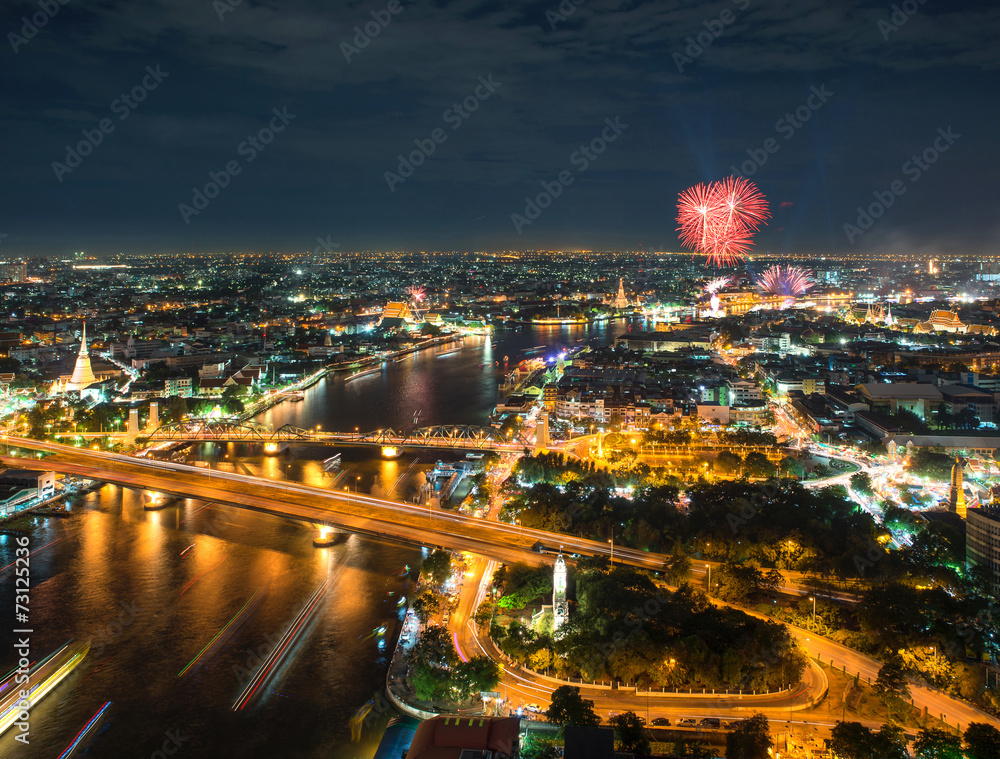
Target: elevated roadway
x,y
359,513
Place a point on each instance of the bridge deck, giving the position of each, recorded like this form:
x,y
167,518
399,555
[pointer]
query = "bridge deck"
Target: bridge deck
x,y
361,513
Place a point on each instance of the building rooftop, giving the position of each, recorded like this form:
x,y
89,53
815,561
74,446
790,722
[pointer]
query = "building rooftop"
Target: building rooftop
x,y
453,737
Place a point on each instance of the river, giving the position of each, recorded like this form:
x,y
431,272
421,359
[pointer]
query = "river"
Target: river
x,y
154,589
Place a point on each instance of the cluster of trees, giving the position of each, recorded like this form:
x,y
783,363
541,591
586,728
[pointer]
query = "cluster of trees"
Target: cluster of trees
x,y
748,436
781,524
852,740
935,465
519,584
437,674
555,468
626,628
755,465
434,571
744,583
667,437
777,523
937,628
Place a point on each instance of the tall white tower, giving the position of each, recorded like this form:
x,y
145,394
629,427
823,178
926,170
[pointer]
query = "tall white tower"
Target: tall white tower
x,y
83,373
560,609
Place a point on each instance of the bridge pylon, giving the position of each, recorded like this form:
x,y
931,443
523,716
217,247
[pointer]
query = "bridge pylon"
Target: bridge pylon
x,y
132,431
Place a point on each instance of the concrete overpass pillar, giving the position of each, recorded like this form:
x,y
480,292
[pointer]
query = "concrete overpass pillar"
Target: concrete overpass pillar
x,y
132,431
326,537
154,416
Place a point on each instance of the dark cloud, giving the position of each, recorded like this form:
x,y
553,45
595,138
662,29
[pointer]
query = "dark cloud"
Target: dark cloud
x,y
560,78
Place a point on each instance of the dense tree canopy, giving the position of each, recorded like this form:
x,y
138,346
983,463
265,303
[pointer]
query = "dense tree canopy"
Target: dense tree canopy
x,y
568,707
625,627
750,739
436,672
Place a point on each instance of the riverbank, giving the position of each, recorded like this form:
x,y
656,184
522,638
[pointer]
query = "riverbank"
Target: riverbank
x,y
13,521
270,401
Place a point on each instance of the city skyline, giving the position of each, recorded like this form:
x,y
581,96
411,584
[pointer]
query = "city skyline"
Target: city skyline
x,y
824,108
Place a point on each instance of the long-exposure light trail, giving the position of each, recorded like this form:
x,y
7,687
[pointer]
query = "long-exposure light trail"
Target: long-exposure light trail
x,y
221,632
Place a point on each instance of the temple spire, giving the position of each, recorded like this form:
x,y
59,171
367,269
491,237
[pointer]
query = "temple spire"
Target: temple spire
x,y
83,373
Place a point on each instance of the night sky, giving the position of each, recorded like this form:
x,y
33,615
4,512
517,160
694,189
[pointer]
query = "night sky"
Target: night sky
x,y
544,79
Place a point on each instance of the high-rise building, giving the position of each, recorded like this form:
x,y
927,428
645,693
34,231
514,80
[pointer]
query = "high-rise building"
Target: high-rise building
x,y
13,271
982,541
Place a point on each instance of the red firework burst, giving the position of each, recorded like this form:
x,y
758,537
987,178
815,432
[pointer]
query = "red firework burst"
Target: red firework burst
x,y
417,293
720,218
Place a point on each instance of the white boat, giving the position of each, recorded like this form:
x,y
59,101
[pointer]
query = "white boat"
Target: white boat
x,y
363,374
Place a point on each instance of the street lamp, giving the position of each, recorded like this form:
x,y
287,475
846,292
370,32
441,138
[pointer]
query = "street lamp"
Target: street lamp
x,y
813,599
612,542
709,568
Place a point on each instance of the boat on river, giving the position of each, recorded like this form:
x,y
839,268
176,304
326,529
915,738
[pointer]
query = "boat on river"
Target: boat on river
x,y
23,689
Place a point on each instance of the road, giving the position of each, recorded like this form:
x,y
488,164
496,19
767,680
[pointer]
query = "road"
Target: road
x,y
355,512
490,539
522,687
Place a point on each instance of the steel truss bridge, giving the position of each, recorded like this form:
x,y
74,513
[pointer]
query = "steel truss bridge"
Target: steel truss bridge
x,y
234,431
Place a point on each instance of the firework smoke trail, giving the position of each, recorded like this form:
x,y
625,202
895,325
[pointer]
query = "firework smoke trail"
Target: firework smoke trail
x,y
789,281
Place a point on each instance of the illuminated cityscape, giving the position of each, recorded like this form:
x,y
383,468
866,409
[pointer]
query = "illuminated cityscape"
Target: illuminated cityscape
x,y
403,380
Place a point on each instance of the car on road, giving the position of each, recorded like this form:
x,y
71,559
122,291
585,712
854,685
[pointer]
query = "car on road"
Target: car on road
x,y
661,722
710,722
534,708
687,722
